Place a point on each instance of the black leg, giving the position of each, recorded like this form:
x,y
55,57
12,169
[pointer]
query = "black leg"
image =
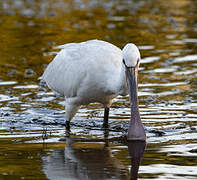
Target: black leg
x,y
67,128
67,125
106,137
106,115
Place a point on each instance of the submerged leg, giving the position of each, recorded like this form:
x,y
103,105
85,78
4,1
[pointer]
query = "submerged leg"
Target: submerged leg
x,y
67,125
71,110
106,116
67,132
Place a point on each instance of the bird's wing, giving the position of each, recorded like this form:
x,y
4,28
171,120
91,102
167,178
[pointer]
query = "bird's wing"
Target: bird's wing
x,y
65,46
61,73
94,58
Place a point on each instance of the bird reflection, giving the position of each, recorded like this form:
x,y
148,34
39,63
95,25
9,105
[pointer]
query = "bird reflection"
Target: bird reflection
x,y
89,160
136,151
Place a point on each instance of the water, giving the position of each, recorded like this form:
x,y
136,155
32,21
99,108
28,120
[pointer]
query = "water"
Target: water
x,y
32,118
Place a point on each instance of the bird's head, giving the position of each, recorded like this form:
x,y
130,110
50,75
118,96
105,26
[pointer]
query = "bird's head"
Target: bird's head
x,y
131,55
131,61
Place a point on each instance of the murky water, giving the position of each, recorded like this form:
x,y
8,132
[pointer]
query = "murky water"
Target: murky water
x,y
31,117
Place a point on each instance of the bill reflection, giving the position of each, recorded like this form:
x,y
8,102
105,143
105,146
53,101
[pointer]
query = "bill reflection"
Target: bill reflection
x,y
136,151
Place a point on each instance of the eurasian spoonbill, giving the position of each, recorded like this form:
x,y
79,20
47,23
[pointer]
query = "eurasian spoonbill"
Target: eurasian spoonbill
x,y
96,71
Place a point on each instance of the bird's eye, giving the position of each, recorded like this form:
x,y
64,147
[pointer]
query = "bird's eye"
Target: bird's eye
x,y
138,60
123,62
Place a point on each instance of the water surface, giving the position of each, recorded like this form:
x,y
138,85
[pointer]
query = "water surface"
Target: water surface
x,y
32,117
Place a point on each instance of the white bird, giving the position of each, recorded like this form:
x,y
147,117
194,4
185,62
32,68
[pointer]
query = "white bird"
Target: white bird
x,y
96,71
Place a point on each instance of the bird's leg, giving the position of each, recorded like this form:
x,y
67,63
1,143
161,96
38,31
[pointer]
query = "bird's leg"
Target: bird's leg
x,y
67,125
71,110
67,128
106,115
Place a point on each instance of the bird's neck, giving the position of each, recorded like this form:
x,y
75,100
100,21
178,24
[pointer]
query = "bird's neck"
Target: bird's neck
x,y
134,103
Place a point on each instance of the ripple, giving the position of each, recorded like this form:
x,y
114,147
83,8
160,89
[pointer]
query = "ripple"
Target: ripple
x,y
7,98
186,72
174,137
190,40
26,87
170,171
163,70
146,47
149,59
117,18
4,83
187,58
173,84
179,150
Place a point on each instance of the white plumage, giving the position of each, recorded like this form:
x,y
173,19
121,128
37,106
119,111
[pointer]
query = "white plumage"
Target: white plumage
x,y
91,71
87,72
